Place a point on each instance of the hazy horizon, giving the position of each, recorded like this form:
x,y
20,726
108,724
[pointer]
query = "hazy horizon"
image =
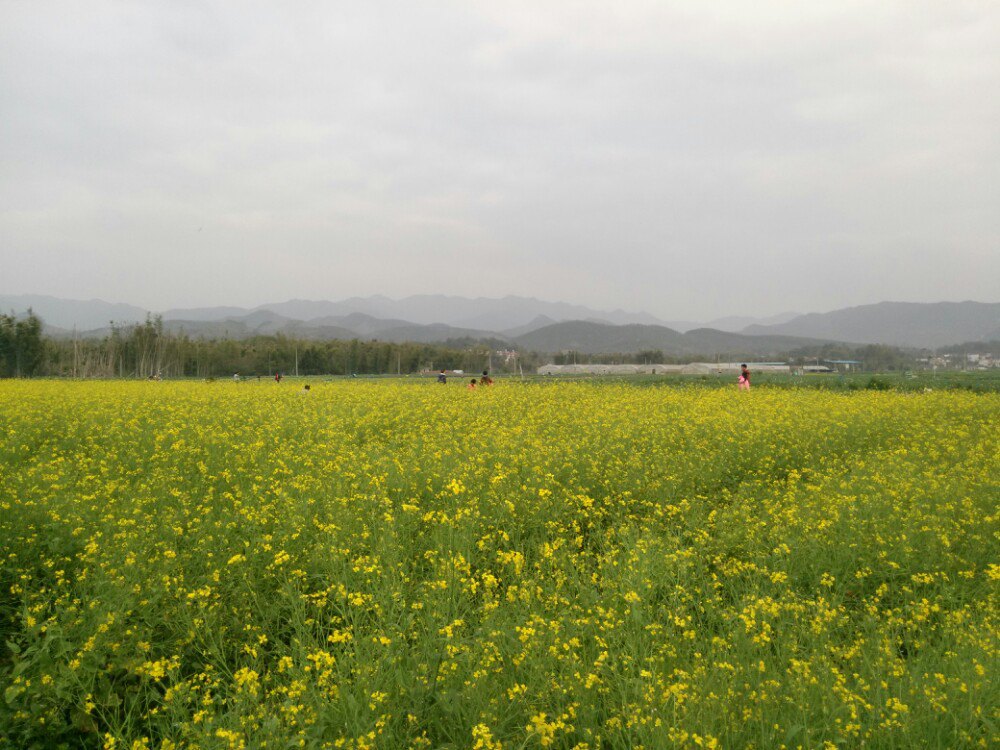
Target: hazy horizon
x,y
689,161
547,300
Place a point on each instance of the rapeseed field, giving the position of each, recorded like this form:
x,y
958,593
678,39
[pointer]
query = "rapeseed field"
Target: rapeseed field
x,y
566,565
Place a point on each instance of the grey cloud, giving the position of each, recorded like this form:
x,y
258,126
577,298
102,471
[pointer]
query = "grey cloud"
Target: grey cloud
x,y
682,158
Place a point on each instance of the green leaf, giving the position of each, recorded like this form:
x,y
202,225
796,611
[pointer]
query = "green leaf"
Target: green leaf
x,y
793,731
84,722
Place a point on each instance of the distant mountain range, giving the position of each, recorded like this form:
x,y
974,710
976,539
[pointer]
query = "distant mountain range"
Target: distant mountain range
x,y
59,313
483,313
537,325
910,324
512,315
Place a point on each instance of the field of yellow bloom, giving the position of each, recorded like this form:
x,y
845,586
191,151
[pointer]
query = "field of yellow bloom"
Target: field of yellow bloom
x,y
556,565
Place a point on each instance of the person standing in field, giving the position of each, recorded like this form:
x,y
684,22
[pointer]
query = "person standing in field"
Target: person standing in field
x,y
486,379
442,377
744,379
472,385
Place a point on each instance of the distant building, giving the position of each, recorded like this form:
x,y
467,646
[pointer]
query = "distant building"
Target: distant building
x,y
844,365
692,368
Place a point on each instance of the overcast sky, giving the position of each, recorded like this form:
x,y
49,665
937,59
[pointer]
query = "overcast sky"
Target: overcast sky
x,y
690,159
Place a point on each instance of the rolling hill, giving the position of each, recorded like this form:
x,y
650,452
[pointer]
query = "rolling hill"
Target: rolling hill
x,y
907,324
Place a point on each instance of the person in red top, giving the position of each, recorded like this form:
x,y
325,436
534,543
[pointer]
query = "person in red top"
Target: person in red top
x,y
486,379
472,385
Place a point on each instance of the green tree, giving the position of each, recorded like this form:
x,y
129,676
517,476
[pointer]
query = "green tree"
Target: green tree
x,y
22,348
7,347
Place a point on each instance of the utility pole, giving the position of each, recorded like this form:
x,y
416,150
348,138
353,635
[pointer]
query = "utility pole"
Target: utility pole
x,y
296,360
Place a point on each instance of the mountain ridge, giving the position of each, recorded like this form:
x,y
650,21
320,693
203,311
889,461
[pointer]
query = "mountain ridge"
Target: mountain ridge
x,y
535,324
910,324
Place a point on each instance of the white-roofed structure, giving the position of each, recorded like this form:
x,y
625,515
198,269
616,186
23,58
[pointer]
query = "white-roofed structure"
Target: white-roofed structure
x,y
692,368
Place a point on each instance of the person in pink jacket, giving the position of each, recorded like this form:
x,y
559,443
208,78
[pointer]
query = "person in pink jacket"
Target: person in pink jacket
x,y
744,379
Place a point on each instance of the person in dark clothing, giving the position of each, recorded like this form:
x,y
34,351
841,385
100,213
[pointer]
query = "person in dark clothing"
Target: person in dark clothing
x,y
442,378
486,379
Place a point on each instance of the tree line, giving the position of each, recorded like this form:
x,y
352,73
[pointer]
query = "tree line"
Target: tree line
x,y
146,350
